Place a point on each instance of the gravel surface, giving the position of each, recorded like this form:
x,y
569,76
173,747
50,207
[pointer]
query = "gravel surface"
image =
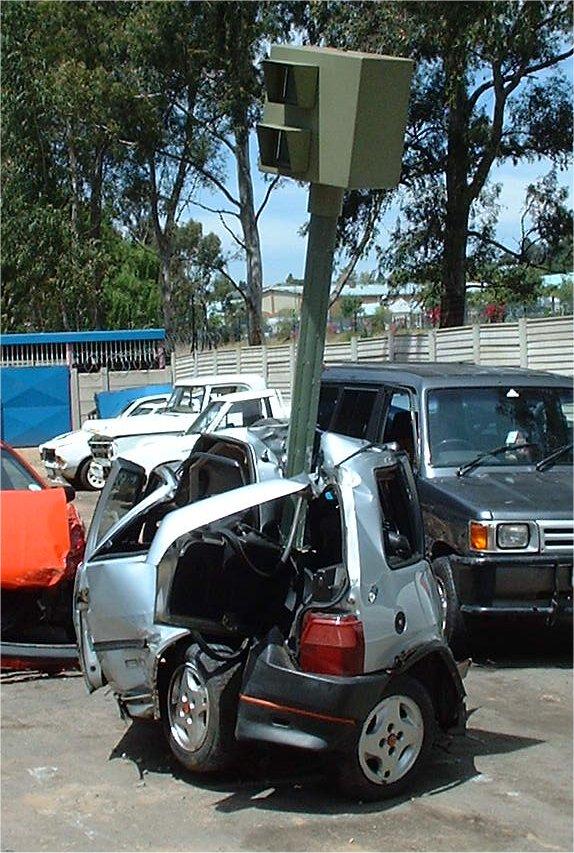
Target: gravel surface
x,y
76,777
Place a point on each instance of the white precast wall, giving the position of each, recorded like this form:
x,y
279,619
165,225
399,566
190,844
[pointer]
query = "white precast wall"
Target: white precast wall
x,y
540,344
84,386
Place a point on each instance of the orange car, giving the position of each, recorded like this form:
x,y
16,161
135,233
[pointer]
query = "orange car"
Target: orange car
x,y
42,544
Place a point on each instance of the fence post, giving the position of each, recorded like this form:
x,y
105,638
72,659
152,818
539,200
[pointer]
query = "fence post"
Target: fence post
x,y
172,362
195,364
105,377
292,359
432,344
523,341
215,361
391,345
264,368
75,399
354,349
476,343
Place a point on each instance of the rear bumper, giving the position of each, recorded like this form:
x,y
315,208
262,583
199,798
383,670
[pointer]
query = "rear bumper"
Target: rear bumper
x,y
516,585
282,705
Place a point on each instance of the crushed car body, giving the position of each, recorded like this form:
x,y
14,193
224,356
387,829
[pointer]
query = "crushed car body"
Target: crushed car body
x,y
235,604
42,544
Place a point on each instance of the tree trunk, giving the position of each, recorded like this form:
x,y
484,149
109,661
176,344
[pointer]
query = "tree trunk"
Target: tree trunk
x,y
166,288
254,267
452,304
96,230
453,291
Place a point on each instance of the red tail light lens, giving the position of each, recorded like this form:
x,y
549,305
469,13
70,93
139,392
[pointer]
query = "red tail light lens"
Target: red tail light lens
x,y
332,644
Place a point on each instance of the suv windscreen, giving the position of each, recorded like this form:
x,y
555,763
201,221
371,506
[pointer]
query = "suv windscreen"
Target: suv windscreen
x,y
466,422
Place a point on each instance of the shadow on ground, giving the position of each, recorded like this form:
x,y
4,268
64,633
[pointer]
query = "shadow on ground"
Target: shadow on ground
x,y
520,644
288,781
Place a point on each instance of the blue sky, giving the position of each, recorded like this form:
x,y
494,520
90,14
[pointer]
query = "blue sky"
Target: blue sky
x,y
284,249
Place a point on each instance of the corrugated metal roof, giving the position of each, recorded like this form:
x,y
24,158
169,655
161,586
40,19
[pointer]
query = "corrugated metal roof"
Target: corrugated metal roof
x,y
84,337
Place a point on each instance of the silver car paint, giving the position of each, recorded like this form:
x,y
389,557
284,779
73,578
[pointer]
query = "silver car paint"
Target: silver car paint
x,y
122,591
116,597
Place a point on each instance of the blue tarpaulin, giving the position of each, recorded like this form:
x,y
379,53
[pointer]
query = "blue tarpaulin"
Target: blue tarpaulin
x,y
110,404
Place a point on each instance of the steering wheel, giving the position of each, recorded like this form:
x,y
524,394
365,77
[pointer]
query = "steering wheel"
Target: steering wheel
x,y
454,444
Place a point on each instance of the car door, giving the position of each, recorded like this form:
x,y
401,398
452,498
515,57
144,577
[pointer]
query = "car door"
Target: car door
x,y
114,587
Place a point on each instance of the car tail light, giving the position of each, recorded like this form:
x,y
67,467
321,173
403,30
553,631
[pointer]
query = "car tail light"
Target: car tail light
x,y
332,644
77,541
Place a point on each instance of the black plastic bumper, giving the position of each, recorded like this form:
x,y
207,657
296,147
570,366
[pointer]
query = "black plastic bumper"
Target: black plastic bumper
x,y
281,704
513,584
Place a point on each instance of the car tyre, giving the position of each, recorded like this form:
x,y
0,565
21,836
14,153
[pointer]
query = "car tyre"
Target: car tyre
x,y
84,480
393,743
199,709
453,620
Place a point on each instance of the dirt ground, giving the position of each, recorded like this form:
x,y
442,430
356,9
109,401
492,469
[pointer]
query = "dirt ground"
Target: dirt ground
x,y
76,777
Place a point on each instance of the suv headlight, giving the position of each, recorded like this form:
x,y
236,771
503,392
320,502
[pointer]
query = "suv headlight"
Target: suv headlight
x,y
512,536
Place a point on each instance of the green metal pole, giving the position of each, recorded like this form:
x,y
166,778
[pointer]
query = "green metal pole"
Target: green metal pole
x,y
324,206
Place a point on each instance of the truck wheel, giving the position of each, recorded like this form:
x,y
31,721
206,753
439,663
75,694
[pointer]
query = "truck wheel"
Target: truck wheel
x,y
86,481
394,743
452,619
199,710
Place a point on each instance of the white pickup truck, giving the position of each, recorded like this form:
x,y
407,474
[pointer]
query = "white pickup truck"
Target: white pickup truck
x,y
69,456
241,409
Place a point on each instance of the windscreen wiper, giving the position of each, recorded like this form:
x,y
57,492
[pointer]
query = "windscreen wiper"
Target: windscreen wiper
x,y
478,460
549,460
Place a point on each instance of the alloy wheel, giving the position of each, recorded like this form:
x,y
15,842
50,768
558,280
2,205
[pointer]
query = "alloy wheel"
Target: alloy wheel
x,y
188,708
391,739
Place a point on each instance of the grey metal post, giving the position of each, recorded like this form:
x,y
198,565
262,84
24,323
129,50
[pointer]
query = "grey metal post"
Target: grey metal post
x,y
324,206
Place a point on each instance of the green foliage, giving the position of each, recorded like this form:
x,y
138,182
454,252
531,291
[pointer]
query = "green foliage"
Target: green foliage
x,y
477,99
130,288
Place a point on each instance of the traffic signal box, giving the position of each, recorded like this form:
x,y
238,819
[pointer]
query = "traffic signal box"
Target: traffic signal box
x,y
334,117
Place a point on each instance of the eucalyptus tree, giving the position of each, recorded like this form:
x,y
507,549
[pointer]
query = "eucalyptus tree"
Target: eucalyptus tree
x,y
488,88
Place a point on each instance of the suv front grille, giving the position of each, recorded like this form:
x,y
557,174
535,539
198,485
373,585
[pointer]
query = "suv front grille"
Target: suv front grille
x,y
556,536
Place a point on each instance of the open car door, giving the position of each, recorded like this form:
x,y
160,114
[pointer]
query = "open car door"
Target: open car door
x,y
114,589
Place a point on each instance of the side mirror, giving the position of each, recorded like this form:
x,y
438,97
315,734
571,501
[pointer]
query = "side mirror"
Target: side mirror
x,y
398,545
70,493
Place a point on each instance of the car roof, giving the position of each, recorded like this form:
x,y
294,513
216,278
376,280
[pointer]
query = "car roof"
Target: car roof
x,y
161,395
239,396
223,379
432,374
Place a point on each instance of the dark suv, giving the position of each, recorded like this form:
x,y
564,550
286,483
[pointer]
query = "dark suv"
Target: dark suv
x,y
492,453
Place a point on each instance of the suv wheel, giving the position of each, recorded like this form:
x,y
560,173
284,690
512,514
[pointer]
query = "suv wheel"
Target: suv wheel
x,y
452,619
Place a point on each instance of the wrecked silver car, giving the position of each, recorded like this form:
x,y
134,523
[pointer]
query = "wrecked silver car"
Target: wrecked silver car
x,y
237,605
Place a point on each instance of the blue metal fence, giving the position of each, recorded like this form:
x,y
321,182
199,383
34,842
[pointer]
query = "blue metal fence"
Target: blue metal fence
x,y
35,404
